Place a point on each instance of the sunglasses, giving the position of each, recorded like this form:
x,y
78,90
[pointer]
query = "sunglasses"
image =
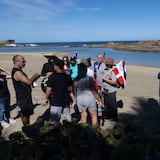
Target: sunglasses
x,y
21,61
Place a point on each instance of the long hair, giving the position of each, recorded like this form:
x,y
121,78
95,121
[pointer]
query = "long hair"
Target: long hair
x,y
82,71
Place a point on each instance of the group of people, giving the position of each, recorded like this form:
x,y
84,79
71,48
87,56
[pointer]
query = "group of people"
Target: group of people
x,y
67,82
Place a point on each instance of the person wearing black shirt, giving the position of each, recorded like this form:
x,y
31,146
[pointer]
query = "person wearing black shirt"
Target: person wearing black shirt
x,y
22,85
4,96
5,119
58,85
47,70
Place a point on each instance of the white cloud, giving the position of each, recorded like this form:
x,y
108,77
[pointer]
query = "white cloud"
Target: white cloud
x,y
38,9
22,10
86,9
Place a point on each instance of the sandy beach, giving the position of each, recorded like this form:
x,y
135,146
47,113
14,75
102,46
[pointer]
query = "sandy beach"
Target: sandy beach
x,y
140,97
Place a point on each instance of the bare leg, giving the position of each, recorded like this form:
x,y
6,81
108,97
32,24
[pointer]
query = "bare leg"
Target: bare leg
x,y
25,119
93,117
84,117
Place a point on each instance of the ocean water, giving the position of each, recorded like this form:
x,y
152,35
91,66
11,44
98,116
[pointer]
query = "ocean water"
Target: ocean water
x,y
135,58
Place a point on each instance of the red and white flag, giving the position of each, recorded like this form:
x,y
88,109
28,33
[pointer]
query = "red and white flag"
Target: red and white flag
x,y
120,71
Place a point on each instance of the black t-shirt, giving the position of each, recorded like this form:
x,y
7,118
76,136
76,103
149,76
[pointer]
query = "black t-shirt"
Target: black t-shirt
x,y
59,82
22,90
47,67
4,92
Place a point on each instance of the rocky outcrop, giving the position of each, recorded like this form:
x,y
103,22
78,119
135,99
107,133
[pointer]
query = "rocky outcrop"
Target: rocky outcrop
x,y
6,42
141,46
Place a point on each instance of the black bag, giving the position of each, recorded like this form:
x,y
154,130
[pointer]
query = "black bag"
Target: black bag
x,y
119,104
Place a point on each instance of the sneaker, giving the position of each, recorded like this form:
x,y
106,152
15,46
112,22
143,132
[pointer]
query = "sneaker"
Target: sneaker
x,y
11,121
4,124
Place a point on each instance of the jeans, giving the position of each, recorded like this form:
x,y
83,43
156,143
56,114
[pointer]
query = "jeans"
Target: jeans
x,y
7,109
3,101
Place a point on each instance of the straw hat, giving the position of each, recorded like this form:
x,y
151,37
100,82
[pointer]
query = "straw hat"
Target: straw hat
x,y
110,61
50,55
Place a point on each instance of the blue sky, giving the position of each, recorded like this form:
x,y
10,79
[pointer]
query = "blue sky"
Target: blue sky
x,y
79,20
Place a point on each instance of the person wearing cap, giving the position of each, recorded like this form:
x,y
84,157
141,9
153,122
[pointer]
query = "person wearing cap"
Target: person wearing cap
x,y
109,90
73,67
47,68
59,87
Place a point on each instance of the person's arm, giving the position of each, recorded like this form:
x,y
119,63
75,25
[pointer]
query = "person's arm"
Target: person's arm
x,y
44,71
48,92
7,73
71,94
19,76
48,74
110,81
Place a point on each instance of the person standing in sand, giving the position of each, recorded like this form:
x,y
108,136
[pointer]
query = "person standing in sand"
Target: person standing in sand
x,y
59,86
99,72
110,85
86,96
47,70
22,85
5,119
66,65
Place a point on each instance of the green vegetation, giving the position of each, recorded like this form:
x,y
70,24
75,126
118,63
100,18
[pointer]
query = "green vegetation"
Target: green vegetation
x,y
79,142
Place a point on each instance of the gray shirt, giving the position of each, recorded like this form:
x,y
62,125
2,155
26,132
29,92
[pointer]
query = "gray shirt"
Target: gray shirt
x,y
85,97
82,87
110,75
100,70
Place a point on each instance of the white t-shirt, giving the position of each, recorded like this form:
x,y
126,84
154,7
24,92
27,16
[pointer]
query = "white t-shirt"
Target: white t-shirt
x,y
90,73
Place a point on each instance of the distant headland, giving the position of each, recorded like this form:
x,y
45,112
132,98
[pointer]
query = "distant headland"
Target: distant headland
x,y
135,46
140,46
9,42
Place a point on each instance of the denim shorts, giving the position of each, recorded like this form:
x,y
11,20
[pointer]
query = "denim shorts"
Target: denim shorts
x,y
55,113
